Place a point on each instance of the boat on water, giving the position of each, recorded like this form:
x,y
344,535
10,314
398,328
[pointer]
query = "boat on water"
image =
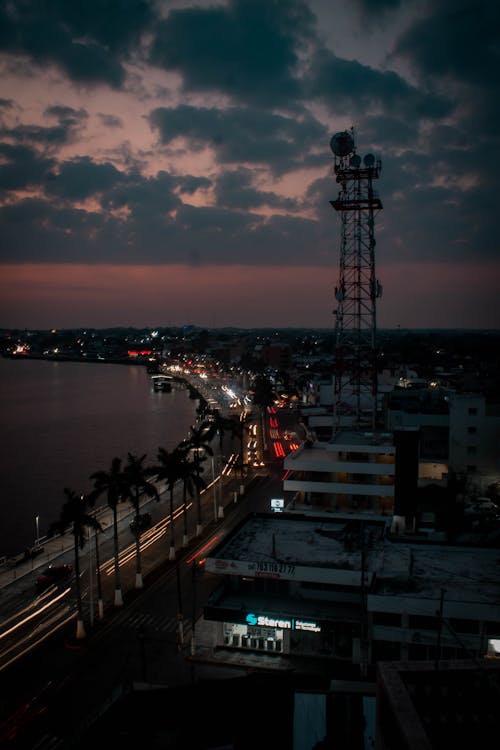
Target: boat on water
x,y
162,383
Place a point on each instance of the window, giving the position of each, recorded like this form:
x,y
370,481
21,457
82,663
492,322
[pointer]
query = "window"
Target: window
x,y
471,450
387,618
423,622
464,626
471,468
472,411
472,430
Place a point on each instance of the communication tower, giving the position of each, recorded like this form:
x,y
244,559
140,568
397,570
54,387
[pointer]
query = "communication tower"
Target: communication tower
x,y
355,368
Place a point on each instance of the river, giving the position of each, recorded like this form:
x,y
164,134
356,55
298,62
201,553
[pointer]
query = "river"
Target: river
x,y
62,421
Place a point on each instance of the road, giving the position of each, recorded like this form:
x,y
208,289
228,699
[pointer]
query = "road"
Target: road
x,y
61,686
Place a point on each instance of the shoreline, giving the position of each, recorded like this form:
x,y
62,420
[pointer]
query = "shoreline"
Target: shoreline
x,y
22,539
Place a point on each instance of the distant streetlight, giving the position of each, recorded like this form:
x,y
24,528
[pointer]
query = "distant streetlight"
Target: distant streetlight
x,y
37,529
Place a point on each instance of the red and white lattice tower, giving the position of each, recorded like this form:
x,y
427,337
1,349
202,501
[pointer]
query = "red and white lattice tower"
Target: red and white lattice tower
x,y
355,368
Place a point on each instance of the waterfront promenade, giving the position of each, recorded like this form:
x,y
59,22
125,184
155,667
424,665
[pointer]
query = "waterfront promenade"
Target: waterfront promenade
x,y
48,550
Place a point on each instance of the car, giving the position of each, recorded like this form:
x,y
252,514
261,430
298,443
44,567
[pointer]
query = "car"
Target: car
x,y
53,574
141,522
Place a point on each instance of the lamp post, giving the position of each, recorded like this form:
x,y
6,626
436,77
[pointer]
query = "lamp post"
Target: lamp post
x,y
91,583
214,490
37,529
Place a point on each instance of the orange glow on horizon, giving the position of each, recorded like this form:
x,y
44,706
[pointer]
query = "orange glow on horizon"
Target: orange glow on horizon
x,y
434,295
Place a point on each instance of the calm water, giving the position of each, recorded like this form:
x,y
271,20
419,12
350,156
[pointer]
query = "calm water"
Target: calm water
x,y
61,421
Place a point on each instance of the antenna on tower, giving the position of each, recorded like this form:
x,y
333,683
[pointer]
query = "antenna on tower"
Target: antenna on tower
x,y
355,368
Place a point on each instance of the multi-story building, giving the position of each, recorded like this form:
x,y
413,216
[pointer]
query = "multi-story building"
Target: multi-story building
x,y
459,433
344,589
353,471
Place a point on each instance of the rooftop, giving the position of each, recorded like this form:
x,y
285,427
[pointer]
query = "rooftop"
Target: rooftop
x,y
332,549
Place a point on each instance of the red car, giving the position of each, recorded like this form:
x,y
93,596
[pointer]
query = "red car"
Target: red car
x,y
53,574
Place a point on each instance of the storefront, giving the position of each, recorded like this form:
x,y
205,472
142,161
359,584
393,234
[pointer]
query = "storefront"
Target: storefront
x,y
254,638
259,632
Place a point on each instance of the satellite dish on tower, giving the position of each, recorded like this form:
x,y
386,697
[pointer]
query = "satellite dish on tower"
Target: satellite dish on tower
x,y
369,160
355,161
342,144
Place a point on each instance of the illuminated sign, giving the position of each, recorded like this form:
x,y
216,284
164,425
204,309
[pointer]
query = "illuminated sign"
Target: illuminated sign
x,y
283,624
277,504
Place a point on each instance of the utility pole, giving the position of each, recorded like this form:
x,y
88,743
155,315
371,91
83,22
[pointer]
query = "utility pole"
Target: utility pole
x,y
439,614
364,609
180,617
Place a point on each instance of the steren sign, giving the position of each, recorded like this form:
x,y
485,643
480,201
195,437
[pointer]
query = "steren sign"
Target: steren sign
x,y
274,622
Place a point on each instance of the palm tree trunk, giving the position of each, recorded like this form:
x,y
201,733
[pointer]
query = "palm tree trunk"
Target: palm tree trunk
x,y
118,588
138,566
80,627
185,537
100,605
199,525
220,511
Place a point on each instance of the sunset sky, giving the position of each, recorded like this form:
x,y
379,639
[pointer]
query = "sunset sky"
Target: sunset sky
x,y
168,162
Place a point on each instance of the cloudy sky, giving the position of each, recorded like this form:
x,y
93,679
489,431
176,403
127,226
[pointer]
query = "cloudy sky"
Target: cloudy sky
x,y
168,162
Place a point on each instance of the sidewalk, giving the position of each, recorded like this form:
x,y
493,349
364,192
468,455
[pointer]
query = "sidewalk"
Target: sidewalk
x,y
48,550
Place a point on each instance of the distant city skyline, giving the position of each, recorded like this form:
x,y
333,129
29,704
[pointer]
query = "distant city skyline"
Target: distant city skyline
x,y
168,163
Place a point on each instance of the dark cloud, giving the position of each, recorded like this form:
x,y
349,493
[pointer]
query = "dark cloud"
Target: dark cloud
x,y
67,116
21,167
148,199
81,178
376,10
110,121
457,39
37,134
33,230
273,96
247,50
349,86
88,39
242,135
456,45
235,189
69,123
189,184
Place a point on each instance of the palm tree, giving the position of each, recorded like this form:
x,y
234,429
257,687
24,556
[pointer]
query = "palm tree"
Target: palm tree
x,y
113,484
169,471
199,442
74,515
100,605
232,426
136,476
192,482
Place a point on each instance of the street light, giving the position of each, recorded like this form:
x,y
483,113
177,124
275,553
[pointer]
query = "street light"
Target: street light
x,y
37,529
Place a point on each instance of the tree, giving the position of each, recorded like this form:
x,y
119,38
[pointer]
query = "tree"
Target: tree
x,y
192,482
136,477
222,425
74,516
113,484
169,471
198,443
